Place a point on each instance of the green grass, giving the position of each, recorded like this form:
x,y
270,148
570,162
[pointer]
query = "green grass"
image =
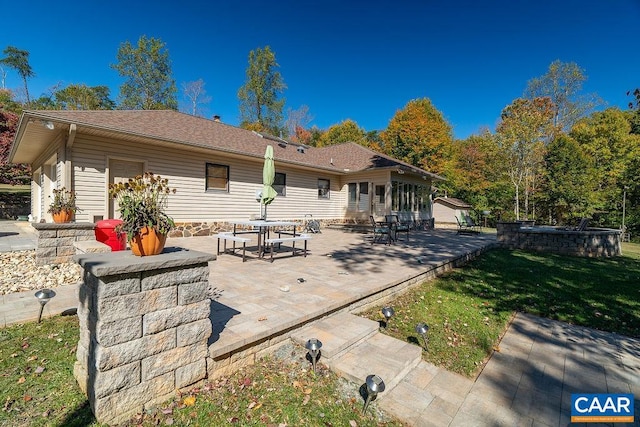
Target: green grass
x,y
280,390
468,309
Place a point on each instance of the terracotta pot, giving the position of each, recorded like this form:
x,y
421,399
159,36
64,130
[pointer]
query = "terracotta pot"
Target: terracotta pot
x,y
62,217
148,242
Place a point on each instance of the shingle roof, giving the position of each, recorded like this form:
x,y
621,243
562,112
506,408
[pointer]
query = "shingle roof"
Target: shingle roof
x,y
180,128
452,202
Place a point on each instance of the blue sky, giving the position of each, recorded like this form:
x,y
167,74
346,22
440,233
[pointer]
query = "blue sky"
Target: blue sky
x,y
359,60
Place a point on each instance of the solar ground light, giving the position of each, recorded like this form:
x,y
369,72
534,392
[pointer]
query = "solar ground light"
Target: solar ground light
x,y
375,385
313,345
388,313
44,295
423,329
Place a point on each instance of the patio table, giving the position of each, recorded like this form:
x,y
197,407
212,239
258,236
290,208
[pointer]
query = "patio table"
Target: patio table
x,y
264,229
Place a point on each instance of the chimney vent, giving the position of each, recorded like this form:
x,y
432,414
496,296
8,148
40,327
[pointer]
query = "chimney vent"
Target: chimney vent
x,y
216,118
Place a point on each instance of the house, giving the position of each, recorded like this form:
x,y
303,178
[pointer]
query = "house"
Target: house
x,y
216,169
447,209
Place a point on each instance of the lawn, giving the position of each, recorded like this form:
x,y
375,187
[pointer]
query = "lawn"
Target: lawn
x,y
37,388
468,309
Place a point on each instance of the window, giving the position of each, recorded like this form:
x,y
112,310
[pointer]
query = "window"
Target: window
x,y
217,177
353,192
323,188
280,184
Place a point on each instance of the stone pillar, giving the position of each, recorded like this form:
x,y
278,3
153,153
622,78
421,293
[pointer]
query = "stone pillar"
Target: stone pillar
x,y
55,241
144,327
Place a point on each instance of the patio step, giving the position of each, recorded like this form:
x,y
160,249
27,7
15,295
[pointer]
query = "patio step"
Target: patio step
x,y
387,357
338,333
353,348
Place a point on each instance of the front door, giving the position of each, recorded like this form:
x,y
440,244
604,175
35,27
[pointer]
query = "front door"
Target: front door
x,y
121,171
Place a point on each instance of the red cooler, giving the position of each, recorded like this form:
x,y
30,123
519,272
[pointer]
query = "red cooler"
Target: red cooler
x,y
106,233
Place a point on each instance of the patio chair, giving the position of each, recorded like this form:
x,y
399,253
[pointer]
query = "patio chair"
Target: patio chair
x,y
464,227
472,224
379,231
583,224
397,226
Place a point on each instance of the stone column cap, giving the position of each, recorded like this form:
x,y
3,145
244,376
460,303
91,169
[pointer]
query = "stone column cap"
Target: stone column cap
x,y
122,262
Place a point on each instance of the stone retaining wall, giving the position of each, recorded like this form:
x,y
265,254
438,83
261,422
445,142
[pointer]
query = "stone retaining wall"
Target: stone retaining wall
x,y
593,242
55,241
193,229
144,327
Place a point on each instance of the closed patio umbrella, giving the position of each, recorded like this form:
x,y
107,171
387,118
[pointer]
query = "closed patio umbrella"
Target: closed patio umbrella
x,y
268,176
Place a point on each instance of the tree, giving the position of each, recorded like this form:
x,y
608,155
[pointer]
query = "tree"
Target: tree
x,y
196,96
562,84
7,103
297,121
147,71
635,107
347,131
19,61
569,181
523,128
419,135
83,97
10,173
260,106
606,137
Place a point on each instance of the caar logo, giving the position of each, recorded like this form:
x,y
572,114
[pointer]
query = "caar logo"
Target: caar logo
x,y
602,408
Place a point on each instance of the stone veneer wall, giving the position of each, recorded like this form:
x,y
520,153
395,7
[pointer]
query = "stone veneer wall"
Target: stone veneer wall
x,y
192,229
144,327
55,241
593,242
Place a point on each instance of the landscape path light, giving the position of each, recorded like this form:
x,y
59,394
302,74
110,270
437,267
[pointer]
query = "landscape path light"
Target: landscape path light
x,y
388,313
375,385
44,295
423,329
313,345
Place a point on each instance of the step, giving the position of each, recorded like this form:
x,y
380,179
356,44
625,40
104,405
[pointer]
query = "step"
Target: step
x,y
337,333
387,357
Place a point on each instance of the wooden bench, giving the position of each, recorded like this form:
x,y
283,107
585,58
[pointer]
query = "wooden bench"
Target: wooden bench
x,y
297,238
224,236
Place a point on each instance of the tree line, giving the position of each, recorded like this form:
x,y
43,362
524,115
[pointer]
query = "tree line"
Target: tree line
x,y
552,157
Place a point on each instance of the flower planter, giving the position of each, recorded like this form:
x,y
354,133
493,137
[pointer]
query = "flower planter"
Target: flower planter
x,y
148,242
62,216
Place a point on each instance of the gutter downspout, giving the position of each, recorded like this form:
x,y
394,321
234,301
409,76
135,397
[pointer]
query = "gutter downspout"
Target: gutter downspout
x,y
68,167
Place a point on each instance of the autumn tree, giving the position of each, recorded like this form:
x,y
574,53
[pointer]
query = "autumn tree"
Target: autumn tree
x,y
196,97
83,97
606,137
569,182
260,97
419,135
524,126
146,67
347,131
7,103
10,173
18,60
297,122
562,84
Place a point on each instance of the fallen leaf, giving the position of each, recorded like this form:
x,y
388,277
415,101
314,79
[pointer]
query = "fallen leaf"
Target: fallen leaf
x,y
39,370
167,411
46,413
258,406
25,345
297,384
306,399
352,423
27,398
262,319
14,354
246,382
307,391
21,380
251,405
32,358
189,401
168,421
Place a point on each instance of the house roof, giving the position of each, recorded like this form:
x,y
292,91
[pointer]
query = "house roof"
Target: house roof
x,y
172,127
452,202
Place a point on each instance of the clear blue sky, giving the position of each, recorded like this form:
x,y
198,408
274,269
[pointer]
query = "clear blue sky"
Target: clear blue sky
x,y
359,60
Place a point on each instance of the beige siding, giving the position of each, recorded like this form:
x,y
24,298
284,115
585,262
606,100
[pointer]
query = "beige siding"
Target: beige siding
x,y
186,172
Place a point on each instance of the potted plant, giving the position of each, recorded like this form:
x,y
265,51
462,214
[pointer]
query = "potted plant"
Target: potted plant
x,y
63,206
141,202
